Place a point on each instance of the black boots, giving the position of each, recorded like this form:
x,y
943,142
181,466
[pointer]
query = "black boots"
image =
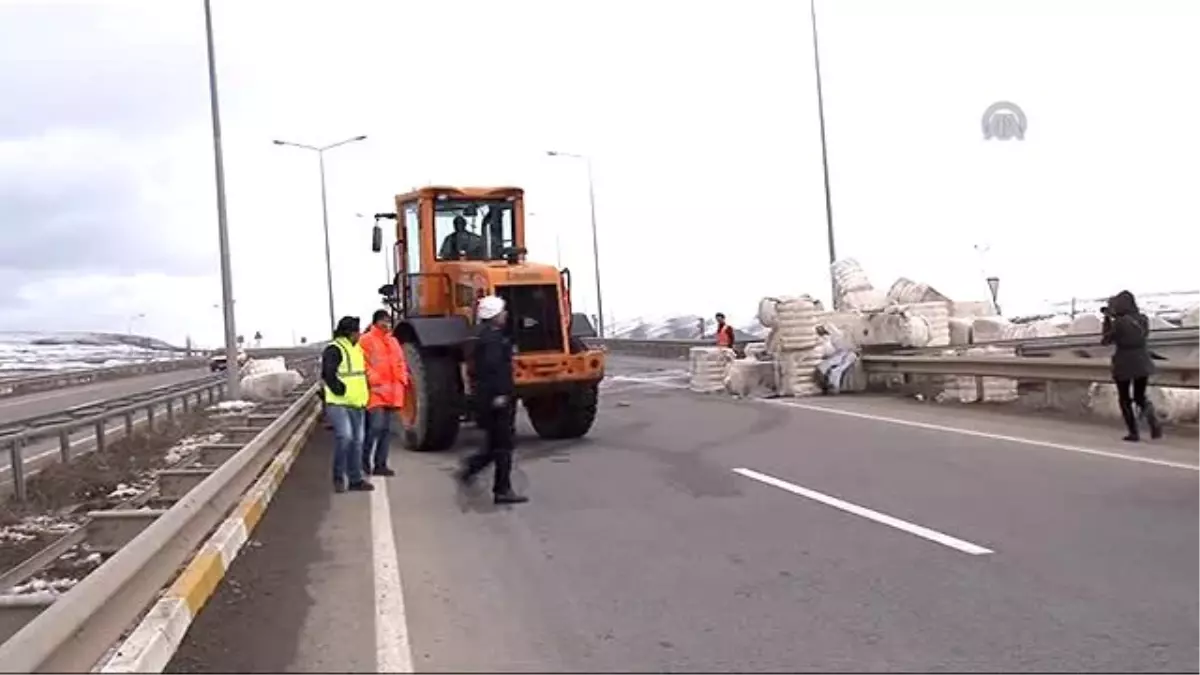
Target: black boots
x,y
1131,421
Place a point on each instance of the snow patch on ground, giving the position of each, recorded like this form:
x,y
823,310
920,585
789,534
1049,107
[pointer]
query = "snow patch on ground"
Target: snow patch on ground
x,y
233,406
188,445
32,527
41,586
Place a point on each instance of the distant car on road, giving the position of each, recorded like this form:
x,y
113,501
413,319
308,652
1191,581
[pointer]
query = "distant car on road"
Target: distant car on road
x,y
218,361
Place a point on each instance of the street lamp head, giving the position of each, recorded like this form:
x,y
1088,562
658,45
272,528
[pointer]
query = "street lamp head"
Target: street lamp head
x,y
361,138
278,142
552,153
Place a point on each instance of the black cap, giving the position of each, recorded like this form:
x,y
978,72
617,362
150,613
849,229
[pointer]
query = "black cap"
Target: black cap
x,y
379,315
347,325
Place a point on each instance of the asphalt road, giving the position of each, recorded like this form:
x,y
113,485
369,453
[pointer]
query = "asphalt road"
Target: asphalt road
x,y
697,533
43,402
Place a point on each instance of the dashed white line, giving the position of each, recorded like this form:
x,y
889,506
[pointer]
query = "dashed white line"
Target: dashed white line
x,y
393,651
861,511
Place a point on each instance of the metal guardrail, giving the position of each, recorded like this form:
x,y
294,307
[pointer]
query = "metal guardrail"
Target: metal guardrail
x,y
75,632
20,386
1029,367
97,416
1052,369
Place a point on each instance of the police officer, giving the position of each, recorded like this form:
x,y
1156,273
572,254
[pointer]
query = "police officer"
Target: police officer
x,y
494,402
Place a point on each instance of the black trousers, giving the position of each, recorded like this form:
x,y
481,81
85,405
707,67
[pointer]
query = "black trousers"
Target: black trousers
x,y
1130,392
497,448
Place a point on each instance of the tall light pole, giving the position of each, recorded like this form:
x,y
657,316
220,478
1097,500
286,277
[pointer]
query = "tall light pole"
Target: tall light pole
x,y
595,238
325,211
812,9
233,382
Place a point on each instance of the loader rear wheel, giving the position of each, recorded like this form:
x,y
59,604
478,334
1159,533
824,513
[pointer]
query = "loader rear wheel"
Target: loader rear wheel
x,y
563,414
433,401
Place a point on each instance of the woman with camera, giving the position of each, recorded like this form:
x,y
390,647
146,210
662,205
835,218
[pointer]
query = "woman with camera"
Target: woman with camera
x,y
1127,329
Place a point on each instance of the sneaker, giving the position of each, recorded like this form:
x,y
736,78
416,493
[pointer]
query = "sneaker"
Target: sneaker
x,y
510,498
383,472
361,486
339,487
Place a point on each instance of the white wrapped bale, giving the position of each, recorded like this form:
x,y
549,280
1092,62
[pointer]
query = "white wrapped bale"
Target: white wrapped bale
x,y
708,368
970,309
1027,331
749,377
757,351
767,312
967,388
896,327
1085,324
1191,318
853,325
863,301
795,324
260,366
269,386
937,313
908,292
960,331
1171,405
989,329
848,276
797,373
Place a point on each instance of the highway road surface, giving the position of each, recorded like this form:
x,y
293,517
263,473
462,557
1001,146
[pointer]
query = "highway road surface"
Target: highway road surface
x,y
42,402
698,533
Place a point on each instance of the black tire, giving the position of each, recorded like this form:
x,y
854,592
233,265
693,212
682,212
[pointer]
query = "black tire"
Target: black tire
x,y
439,399
563,414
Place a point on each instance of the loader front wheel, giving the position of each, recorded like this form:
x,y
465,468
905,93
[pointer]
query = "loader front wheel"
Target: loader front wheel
x,y
433,401
563,414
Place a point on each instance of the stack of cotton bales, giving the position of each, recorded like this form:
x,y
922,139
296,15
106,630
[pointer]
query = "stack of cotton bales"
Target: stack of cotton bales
x,y
708,367
907,292
969,389
1191,318
793,343
853,288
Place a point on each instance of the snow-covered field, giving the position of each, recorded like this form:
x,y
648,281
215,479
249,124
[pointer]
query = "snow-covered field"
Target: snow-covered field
x,y
25,352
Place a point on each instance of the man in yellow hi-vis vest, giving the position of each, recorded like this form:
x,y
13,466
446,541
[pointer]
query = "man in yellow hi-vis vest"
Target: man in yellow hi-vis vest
x,y
344,372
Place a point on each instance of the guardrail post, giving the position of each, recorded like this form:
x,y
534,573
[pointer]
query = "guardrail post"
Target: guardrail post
x,y
16,459
150,417
128,425
183,403
100,429
64,446
170,411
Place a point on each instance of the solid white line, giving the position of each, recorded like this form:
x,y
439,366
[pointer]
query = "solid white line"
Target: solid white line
x,y
991,436
924,532
793,403
393,652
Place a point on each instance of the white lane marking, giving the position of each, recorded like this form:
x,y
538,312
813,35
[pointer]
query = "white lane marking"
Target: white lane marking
x,y
992,436
791,403
882,518
393,652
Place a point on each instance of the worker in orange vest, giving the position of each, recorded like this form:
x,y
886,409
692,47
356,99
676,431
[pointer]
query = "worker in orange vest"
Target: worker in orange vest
x,y
724,332
387,376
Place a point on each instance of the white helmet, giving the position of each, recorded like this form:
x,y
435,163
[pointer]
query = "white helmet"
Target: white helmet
x,y
490,307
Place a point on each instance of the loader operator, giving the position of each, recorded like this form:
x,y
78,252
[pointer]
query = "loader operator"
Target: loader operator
x,y
462,243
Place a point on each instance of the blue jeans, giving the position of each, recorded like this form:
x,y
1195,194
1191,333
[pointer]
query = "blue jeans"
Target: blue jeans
x,y
347,426
379,435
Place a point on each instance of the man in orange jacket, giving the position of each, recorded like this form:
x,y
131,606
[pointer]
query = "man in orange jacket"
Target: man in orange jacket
x,y
387,376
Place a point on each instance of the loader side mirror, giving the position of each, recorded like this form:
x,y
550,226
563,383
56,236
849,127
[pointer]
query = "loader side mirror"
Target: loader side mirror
x,y
388,290
376,238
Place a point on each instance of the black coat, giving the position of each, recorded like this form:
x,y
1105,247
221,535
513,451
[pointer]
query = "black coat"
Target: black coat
x,y
493,356
1127,331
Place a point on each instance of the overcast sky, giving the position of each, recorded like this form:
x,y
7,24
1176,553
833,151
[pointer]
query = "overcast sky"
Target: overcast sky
x,y
701,122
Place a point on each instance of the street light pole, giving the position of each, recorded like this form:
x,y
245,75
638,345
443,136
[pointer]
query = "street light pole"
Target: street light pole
x,y
595,235
812,8
325,213
233,382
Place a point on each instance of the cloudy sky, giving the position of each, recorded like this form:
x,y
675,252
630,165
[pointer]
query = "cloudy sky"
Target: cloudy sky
x,y
701,122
